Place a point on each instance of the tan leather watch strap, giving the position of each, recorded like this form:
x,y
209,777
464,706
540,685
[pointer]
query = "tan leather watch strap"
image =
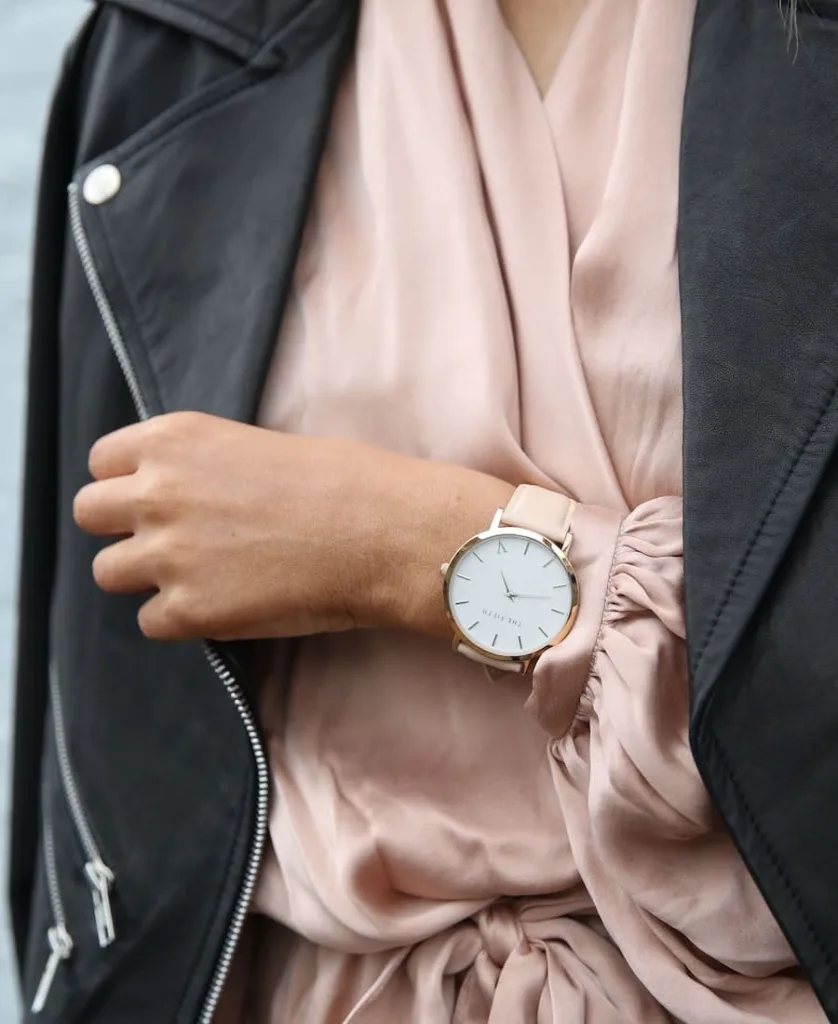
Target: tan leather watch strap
x,y
546,512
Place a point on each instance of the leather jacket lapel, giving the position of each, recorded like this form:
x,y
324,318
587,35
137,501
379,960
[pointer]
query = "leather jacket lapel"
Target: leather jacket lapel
x,y
196,251
759,264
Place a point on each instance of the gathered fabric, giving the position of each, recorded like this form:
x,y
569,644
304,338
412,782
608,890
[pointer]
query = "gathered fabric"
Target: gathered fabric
x,y
510,964
489,277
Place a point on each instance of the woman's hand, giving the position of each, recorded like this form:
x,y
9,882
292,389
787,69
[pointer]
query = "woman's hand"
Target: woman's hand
x,y
239,532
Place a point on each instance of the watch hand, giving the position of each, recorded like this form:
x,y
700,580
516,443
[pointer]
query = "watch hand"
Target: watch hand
x,y
535,597
509,593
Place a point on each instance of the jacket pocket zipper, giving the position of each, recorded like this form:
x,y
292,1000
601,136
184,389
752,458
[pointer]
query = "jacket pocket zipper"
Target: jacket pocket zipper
x,y
98,874
60,943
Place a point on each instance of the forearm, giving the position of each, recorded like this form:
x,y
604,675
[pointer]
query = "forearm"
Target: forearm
x,y
423,511
241,533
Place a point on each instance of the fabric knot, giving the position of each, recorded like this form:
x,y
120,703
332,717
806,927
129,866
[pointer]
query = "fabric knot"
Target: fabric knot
x,y
501,932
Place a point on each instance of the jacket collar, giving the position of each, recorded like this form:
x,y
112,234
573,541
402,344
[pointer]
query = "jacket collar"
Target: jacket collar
x,y
264,33
196,252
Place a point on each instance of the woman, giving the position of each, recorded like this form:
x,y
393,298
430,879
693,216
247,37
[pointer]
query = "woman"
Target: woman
x,y
351,292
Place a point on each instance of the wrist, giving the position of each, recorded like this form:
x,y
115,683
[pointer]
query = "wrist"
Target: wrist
x,y
432,510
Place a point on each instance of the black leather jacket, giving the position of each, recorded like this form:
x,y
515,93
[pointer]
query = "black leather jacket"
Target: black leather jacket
x,y
140,784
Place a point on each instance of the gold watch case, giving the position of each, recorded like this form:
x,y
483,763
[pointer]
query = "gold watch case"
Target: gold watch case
x,y
447,569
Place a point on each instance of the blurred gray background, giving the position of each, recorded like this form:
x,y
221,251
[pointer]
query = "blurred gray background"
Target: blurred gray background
x,y
32,35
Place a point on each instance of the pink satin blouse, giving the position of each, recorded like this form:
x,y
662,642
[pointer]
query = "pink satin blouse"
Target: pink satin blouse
x,y
489,277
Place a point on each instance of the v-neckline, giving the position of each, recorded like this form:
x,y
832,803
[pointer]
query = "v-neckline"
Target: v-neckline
x,y
543,79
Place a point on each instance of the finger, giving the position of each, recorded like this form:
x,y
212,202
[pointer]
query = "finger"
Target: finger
x,y
117,454
159,620
124,568
106,508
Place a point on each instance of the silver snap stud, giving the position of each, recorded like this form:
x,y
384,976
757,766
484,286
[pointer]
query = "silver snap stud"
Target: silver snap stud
x,y
102,184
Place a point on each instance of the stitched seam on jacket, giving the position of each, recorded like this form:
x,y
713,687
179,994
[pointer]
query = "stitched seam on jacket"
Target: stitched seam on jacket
x,y
160,7
760,529
158,131
290,26
114,262
310,22
776,863
204,19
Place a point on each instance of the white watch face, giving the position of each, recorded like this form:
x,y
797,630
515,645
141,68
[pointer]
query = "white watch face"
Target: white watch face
x,y
510,595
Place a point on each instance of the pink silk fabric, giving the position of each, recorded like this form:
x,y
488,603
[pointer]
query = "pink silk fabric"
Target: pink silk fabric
x,y
489,277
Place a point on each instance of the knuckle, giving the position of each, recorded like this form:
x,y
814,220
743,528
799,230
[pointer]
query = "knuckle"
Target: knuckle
x,y
162,554
167,617
146,489
154,552
154,620
160,432
180,626
182,614
182,425
149,623
153,493
155,437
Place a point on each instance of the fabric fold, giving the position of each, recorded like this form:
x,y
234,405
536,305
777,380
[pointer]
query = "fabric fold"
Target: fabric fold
x,y
491,281
671,889
518,962
561,674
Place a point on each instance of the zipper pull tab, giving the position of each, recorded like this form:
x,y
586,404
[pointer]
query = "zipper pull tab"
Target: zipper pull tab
x,y
61,946
100,877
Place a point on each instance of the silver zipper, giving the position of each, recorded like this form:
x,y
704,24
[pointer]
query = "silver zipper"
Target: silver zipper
x,y
60,943
260,831
217,664
98,874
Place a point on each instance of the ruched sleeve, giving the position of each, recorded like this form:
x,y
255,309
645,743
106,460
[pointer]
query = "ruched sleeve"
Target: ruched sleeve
x,y
665,878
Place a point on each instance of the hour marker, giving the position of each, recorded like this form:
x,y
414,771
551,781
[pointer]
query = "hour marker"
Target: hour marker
x,y
460,602
547,563
559,586
479,559
495,640
461,577
526,549
501,548
544,631
472,626
556,610
520,643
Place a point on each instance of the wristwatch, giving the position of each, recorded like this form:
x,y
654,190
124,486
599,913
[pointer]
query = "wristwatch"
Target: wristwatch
x,y
511,592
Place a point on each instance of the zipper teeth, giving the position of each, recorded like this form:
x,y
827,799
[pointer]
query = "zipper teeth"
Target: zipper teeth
x,y
52,874
59,939
66,771
102,303
252,872
217,664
